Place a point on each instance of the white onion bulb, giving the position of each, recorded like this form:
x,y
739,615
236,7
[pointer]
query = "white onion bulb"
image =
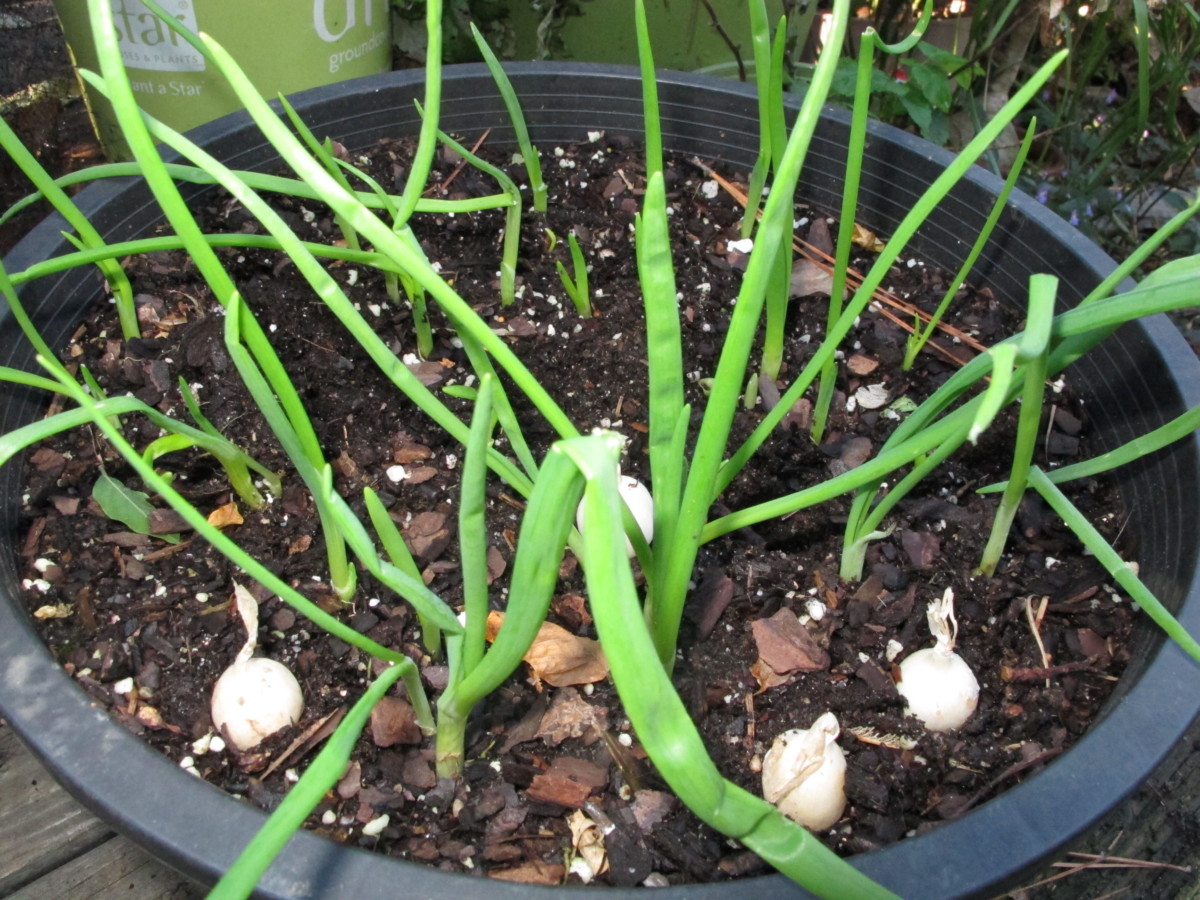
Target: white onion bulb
x,y
637,497
940,688
255,697
804,774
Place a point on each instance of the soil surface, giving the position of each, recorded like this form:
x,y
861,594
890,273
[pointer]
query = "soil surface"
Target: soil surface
x,y
773,638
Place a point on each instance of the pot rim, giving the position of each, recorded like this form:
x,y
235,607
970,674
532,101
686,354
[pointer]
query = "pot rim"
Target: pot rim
x,y
63,728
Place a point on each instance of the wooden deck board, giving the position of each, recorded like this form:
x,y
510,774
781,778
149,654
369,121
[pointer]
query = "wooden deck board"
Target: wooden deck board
x,y
51,847
41,825
118,868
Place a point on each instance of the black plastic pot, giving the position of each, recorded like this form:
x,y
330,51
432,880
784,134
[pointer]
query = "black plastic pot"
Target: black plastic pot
x,y
1136,381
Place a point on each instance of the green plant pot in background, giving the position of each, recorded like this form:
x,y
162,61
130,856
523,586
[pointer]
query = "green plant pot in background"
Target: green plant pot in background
x,y
284,46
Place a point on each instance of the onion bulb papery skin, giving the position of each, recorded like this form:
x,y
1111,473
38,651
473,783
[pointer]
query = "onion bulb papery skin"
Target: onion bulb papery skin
x,y
253,699
804,774
939,687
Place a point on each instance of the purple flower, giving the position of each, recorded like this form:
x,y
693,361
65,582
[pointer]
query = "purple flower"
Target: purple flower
x,y
1074,220
1043,194
1112,97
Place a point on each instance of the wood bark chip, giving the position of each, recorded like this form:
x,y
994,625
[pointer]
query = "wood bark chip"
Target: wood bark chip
x,y
496,564
568,782
427,535
166,521
710,601
572,609
394,722
570,716
862,365
348,785
921,547
420,474
300,544
407,452
809,279
651,807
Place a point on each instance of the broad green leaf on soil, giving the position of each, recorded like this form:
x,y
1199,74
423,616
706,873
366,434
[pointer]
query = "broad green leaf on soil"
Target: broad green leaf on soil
x,y
125,505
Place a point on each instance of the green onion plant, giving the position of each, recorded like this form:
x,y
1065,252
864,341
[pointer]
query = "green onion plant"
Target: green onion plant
x,y
692,460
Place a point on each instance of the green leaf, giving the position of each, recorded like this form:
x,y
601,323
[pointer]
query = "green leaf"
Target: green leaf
x,y
933,84
944,60
918,109
125,505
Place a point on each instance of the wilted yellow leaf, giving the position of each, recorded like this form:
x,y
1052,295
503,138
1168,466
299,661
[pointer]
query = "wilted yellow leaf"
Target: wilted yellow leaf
x,y
866,239
225,515
55,611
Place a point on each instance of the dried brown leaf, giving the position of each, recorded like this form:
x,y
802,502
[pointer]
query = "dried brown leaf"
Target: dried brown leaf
x,y
588,840
532,872
808,279
786,646
558,657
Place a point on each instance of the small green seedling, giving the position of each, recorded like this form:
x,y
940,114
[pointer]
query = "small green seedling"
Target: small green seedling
x,y
576,287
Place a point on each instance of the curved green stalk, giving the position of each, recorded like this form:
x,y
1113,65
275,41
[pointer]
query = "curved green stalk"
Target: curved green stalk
x,y
1112,562
577,286
401,557
1033,349
422,161
545,529
117,88
512,219
257,180
664,356
656,711
1177,429
652,122
48,188
472,527
332,164
236,462
505,414
512,103
198,522
342,522
385,240
331,293
764,77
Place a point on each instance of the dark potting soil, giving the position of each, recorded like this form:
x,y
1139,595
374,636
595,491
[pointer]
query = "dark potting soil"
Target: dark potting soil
x,y
146,626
